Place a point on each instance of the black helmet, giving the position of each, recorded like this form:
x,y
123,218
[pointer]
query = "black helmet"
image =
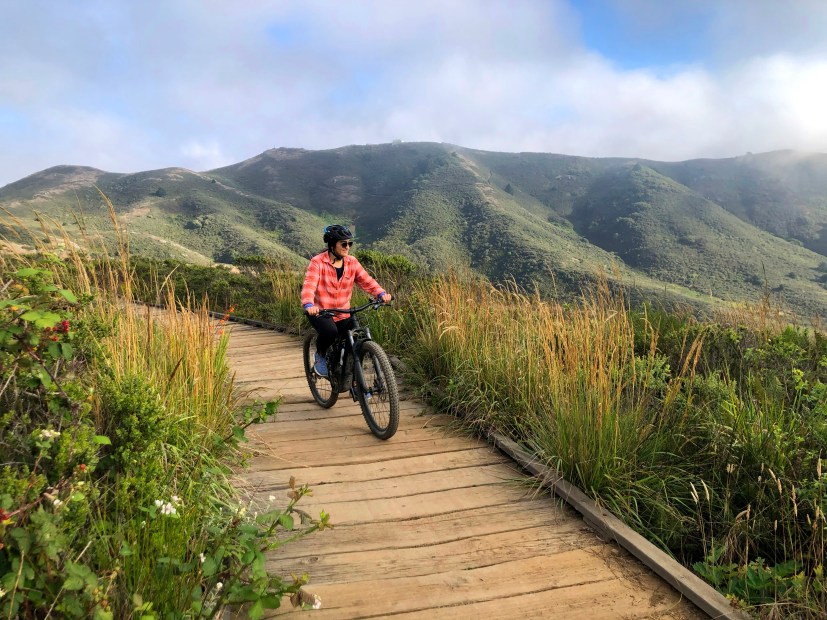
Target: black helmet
x,y
336,232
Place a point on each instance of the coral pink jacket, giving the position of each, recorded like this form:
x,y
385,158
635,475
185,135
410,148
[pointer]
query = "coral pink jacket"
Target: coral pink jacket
x,y
322,289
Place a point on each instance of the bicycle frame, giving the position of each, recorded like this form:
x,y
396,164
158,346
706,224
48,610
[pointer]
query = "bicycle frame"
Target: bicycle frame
x,y
352,339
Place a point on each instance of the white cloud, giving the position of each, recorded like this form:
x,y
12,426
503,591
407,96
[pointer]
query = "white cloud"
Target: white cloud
x,y
200,155
130,86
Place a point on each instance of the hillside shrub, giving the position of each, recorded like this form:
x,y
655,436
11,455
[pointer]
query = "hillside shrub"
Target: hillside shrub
x,y
114,492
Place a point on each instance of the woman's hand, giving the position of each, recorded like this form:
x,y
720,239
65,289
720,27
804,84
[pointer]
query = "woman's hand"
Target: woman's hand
x,y
312,310
386,298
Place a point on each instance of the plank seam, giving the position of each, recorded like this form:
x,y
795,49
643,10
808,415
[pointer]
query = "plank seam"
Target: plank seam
x,y
284,556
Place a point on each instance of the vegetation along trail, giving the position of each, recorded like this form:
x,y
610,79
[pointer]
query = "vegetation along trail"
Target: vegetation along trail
x,y
429,524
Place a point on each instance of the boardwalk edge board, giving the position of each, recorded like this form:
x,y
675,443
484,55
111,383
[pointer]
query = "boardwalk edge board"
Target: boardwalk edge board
x,y
609,527
238,319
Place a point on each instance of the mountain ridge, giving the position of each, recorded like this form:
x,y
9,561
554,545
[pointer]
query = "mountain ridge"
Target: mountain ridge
x,y
740,225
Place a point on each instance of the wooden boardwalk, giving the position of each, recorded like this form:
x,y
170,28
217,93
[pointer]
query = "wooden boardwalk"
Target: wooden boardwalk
x,y
430,524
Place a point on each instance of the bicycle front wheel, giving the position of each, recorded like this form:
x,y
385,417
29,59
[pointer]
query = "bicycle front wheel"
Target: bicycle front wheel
x,y
380,404
324,391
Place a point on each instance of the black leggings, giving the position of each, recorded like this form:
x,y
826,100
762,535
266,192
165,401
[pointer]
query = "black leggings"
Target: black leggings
x,y
328,331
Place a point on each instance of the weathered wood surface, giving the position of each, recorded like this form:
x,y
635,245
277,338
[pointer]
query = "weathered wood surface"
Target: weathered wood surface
x,y
430,524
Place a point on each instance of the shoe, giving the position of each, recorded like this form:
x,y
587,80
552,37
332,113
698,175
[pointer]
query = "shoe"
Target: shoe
x,y
320,366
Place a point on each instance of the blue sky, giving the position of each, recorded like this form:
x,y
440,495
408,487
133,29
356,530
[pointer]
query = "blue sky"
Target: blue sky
x,y
675,35
127,86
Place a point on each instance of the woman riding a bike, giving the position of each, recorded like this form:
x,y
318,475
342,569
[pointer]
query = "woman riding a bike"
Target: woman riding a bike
x,y
328,283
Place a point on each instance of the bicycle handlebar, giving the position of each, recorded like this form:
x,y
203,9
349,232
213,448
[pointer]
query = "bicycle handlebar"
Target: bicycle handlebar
x,y
374,303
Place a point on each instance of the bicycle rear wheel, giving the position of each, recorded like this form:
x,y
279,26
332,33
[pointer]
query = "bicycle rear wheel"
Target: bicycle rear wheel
x,y
324,390
380,405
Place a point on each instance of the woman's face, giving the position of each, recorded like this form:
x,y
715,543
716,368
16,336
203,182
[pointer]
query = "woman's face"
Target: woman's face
x,y
343,247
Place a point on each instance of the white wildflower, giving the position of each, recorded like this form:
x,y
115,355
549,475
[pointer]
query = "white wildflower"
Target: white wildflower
x,y
317,601
272,498
218,586
165,508
176,499
202,557
47,433
56,502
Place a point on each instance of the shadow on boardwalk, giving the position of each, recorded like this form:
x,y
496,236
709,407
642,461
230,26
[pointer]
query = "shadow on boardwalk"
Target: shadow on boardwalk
x,y
430,524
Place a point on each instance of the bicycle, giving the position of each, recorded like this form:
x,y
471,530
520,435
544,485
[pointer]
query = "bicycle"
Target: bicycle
x,y
357,364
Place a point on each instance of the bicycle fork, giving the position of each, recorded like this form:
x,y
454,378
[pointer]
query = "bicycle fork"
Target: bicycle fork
x,y
358,374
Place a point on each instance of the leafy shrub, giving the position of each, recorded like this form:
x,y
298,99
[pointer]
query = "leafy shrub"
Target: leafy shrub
x,y
145,523
134,417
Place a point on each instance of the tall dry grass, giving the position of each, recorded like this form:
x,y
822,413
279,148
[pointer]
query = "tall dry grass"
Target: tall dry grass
x,y
175,349
564,379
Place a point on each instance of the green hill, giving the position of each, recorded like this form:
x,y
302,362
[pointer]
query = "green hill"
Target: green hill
x,y
701,231
783,192
169,213
675,235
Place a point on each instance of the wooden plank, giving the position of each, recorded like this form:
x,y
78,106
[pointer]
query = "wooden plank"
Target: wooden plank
x,y
307,410
388,488
354,538
278,470
381,452
325,442
607,600
577,569
465,554
283,430
417,505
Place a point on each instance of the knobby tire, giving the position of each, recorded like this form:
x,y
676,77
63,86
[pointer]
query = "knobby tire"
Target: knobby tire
x,y
324,391
381,410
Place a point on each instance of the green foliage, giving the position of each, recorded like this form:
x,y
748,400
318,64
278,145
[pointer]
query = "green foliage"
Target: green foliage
x,y
124,509
134,417
756,584
49,443
374,260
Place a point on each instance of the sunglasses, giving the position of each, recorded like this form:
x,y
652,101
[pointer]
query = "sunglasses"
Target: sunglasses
x,y
346,244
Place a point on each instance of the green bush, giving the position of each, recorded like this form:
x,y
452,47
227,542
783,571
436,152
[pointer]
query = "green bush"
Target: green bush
x,y
135,419
124,509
